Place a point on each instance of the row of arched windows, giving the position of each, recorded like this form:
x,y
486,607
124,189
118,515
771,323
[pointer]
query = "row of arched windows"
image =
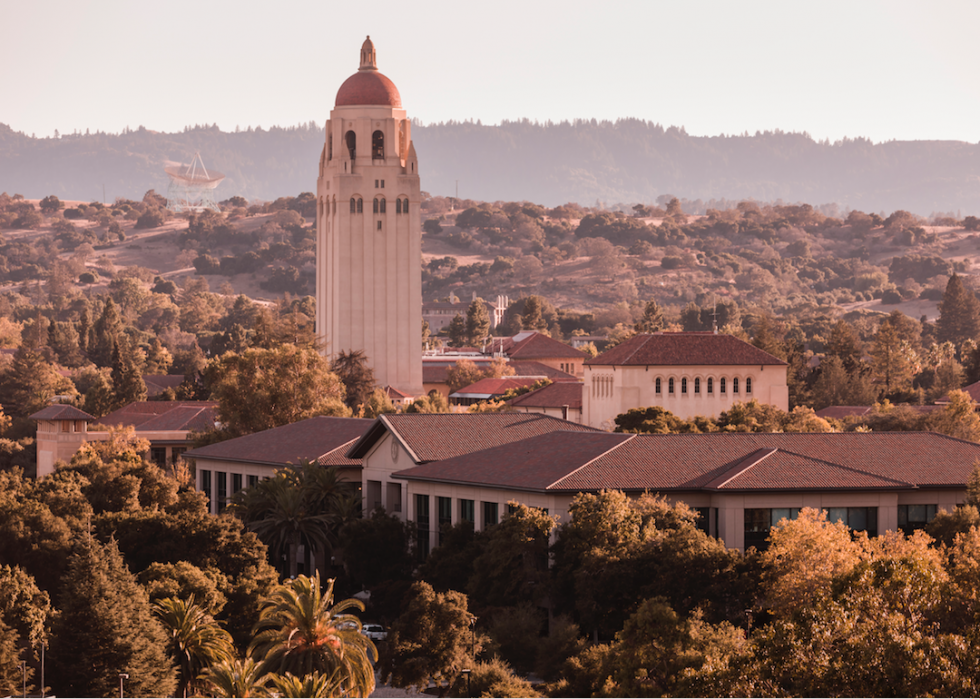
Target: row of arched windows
x,y
377,145
684,385
602,386
380,205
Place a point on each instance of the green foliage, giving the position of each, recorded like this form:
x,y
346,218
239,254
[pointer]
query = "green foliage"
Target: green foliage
x,y
434,402
183,580
514,635
376,549
265,388
457,331
300,630
194,639
477,323
493,678
351,367
105,627
959,313
432,641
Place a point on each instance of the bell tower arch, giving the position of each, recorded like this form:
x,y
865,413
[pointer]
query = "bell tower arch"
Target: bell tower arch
x,y
369,280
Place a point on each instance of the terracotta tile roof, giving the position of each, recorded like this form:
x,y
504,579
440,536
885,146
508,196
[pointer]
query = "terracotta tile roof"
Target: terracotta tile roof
x,y
158,383
433,437
554,395
686,462
395,394
137,414
537,369
533,345
61,412
182,417
684,348
493,387
839,412
554,456
325,440
973,390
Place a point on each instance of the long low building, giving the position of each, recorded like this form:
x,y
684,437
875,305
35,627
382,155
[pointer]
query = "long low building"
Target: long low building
x,y
443,469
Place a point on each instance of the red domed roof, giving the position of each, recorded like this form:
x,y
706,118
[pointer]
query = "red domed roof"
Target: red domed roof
x,y
367,86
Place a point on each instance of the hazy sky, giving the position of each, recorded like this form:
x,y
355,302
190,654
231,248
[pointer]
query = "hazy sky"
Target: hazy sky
x,y
885,69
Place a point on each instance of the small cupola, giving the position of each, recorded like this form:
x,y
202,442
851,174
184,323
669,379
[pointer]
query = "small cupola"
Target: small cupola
x,y
368,59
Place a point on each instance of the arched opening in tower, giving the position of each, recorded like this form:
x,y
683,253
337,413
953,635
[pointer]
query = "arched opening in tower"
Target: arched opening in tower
x,y
351,139
378,146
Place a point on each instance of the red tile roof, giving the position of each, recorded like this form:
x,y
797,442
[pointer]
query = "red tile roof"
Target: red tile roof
x,y
395,394
433,437
158,383
493,387
322,439
537,369
61,412
162,415
534,345
839,412
973,390
554,395
729,462
684,348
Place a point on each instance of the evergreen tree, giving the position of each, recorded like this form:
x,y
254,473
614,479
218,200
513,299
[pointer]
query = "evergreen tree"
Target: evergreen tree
x,y
105,334
30,382
158,359
893,361
358,378
959,313
99,398
652,320
477,323
11,677
845,345
127,381
533,316
84,330
106,627
457,331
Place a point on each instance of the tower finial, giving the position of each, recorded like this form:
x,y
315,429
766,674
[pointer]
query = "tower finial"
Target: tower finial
x,y
368,59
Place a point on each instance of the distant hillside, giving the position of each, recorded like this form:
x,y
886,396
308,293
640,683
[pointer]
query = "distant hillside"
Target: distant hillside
x,y
628,161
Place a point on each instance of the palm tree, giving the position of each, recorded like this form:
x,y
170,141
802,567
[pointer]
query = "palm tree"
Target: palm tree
x,y
301,631
314,684
195,640
237,678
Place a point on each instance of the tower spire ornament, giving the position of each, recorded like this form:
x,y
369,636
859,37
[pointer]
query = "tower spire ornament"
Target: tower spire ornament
x,y
369,230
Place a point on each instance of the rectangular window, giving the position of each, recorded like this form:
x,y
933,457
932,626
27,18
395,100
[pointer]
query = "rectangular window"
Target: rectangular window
x,y
721,385
66,425
467,511
759,521
158,455
206,484
422,523
489,514
379,225
253,481
221,497
445,511
375,184
236,482
79,425
912,517
373,501
748,385
859,519
708,520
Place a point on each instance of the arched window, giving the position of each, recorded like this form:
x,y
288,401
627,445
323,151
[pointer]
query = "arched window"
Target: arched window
x,y
734,385
748,385
711,385
383,210
697,385
398,206
721,385
353,205
656,386
375,205
670,385
329,146
351,139
377,146
405,206
683,385
360,205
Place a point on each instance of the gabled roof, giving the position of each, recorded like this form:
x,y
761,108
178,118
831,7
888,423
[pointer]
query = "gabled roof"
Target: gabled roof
x,y
433,437
554,395
684,349
554,456
539,370
61,412
727,462
973,390
486,388
394,394
160,415
534,345
158,383
322,439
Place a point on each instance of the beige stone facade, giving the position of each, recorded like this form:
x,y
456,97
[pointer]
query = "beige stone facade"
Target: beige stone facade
x,y
369,244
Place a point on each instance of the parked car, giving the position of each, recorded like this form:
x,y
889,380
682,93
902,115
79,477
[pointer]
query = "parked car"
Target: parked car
x,y
376,632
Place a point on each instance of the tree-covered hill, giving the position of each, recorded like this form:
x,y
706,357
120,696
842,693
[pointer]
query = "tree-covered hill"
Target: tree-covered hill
x,y
625,161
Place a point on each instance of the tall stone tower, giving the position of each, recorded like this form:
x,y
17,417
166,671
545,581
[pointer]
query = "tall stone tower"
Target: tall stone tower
x,y
369,240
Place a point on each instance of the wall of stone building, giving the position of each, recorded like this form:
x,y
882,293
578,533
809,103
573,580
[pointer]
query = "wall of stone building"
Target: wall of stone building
x,y
369,285
610,391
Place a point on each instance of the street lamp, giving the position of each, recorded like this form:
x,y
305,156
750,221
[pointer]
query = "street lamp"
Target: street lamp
x,y
122,676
